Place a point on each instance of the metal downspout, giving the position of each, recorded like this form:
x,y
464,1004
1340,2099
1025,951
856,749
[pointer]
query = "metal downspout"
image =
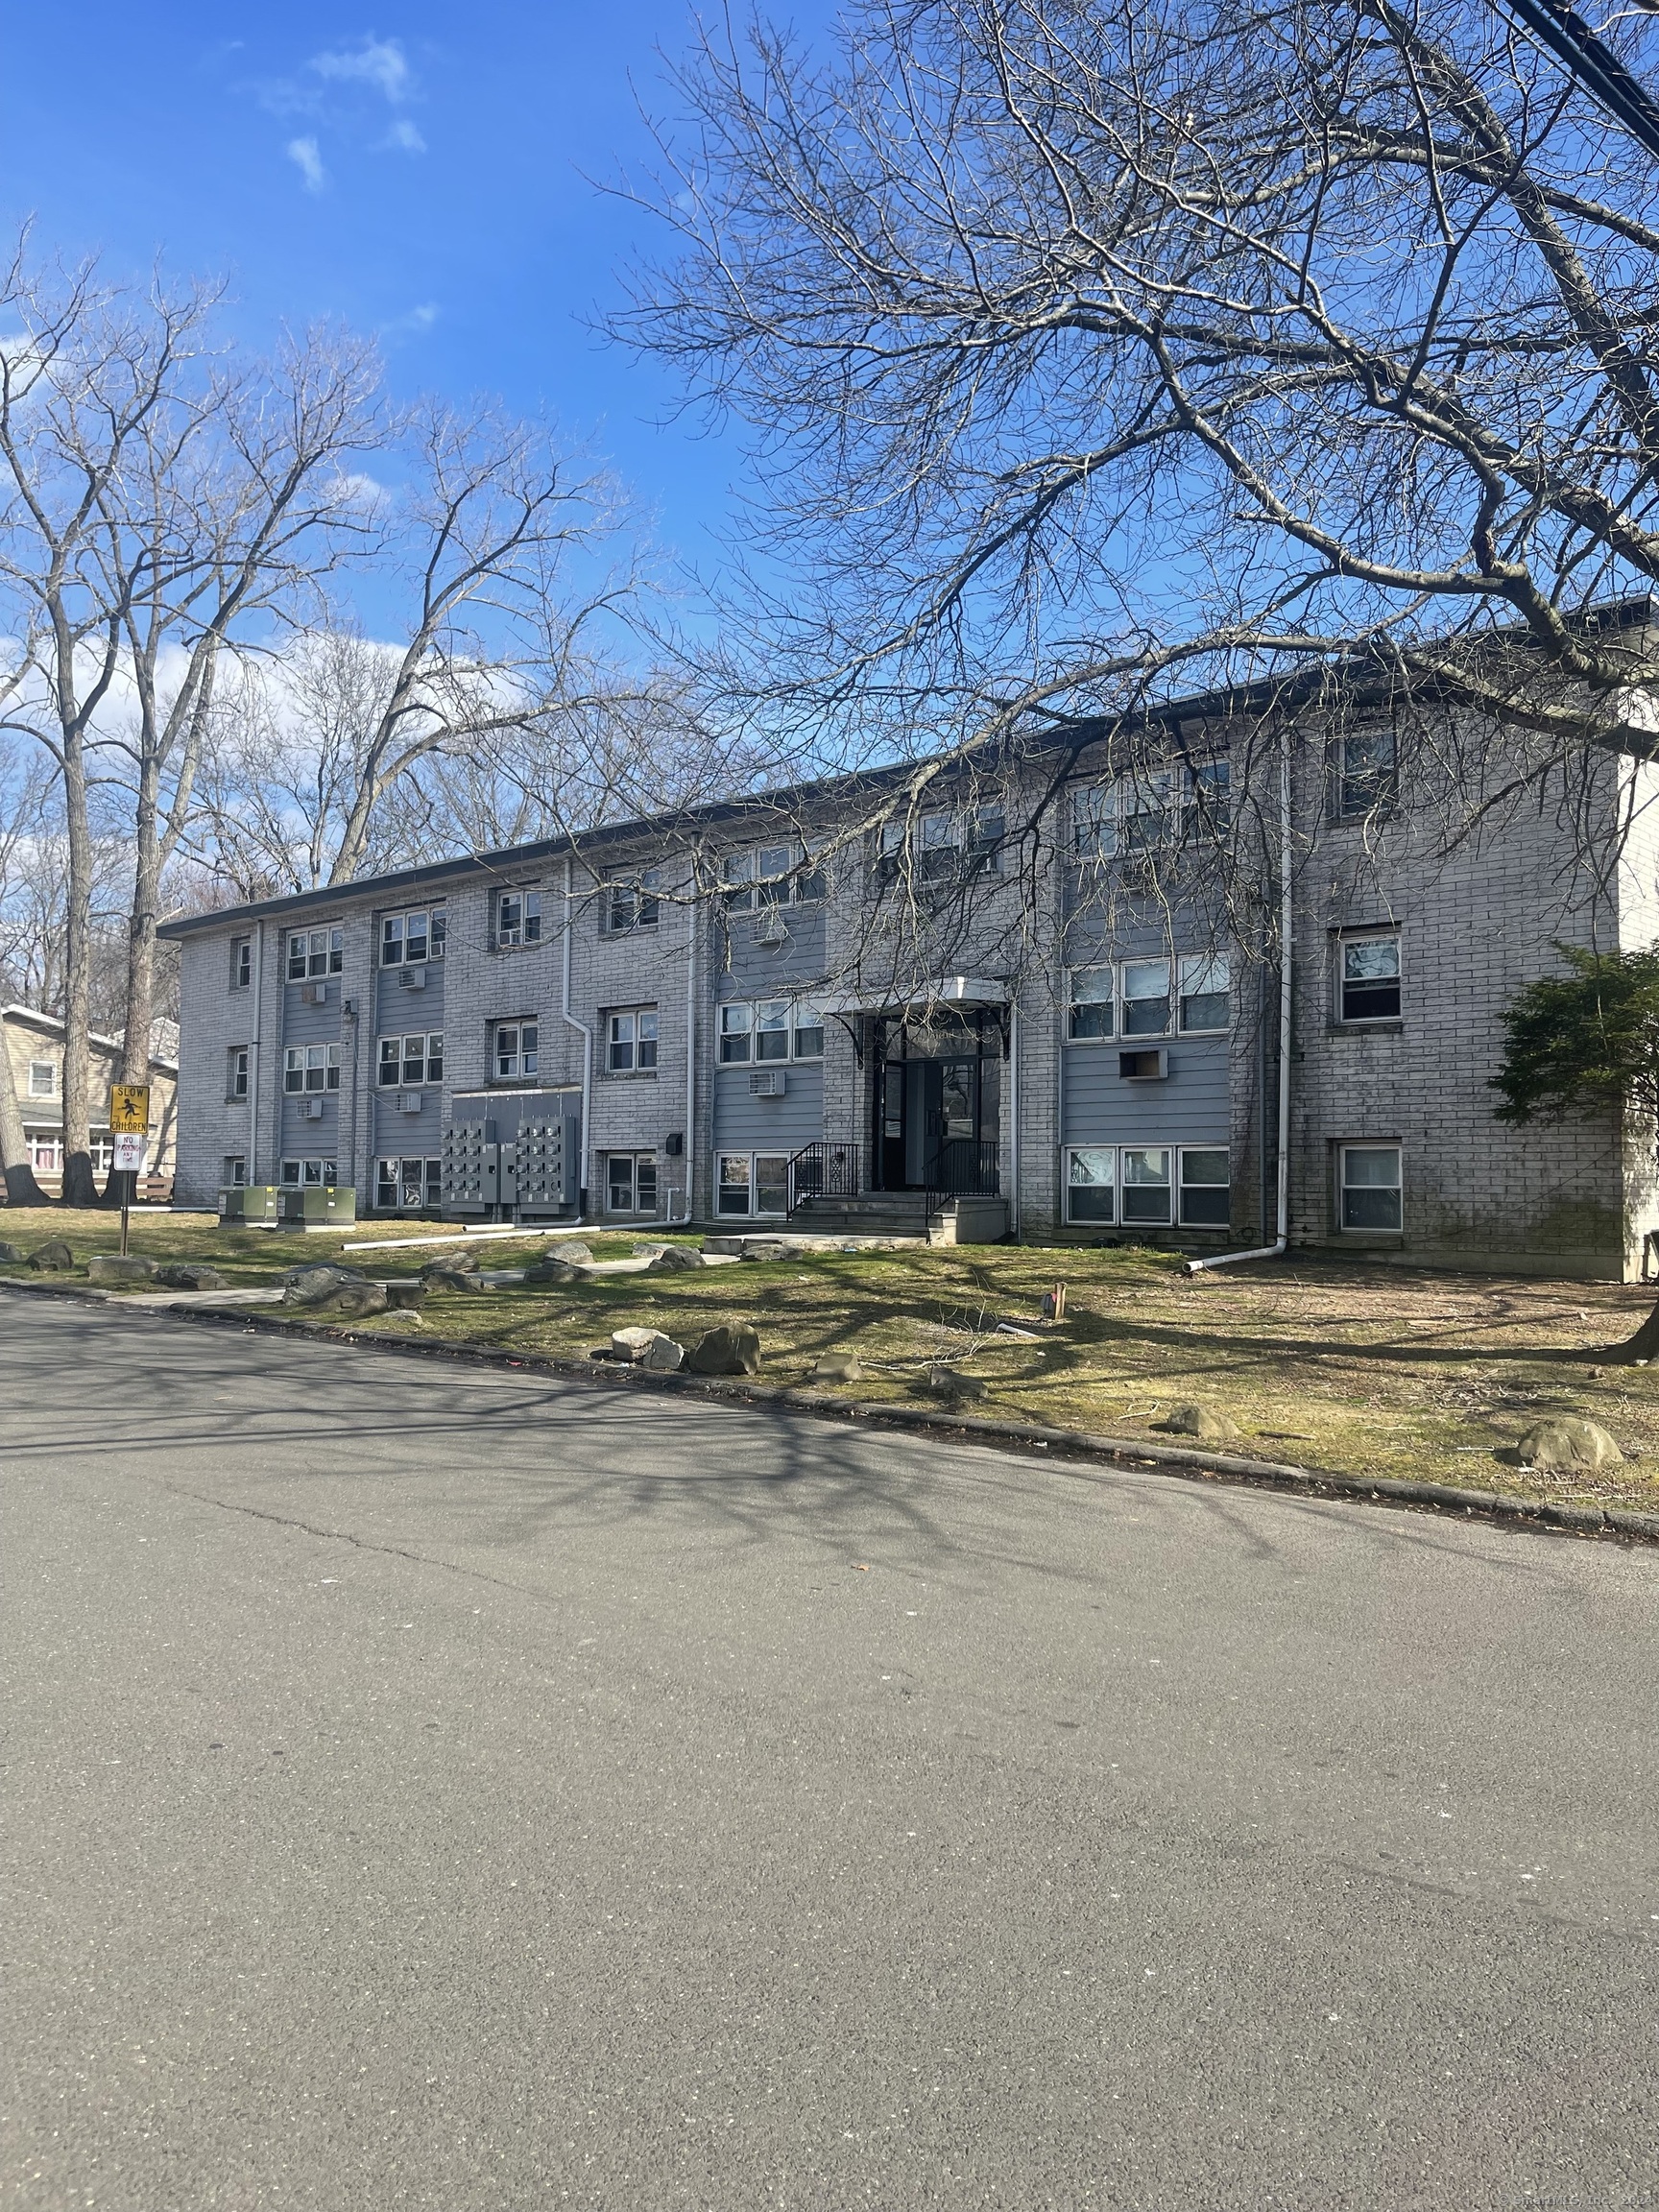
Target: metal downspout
x,y
258,1053
587,1036
1282,1221
689,1140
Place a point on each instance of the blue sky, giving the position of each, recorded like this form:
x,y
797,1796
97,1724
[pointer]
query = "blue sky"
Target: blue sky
x,y
420,172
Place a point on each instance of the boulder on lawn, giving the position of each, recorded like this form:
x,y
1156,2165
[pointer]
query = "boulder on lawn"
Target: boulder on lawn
x,y
191,1275
452,1263
672,1259
356,1302
119,1267
726,1352
406,1297
764,1248
11,1254
1567,1440
1202,1422
450,1275
955,1388
837,1367
662,1356
555,1268
53,1257
311,1285
573,1250
630,1345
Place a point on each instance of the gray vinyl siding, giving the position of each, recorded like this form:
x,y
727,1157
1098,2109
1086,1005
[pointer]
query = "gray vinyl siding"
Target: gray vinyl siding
x,y
748,969
1189,1106
747,1124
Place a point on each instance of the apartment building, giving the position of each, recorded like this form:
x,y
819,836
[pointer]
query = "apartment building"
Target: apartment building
x,y
1039,996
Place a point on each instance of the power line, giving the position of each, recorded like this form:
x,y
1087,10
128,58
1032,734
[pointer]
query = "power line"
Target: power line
x,y
1594,65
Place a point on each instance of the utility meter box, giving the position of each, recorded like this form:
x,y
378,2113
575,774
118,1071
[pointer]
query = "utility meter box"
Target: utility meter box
x,y
512,1155
318,1206
249,1206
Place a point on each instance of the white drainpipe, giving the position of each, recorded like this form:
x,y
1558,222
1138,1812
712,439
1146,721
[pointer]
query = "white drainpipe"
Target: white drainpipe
x,y
689,1140
1281,1221
587,1036
257,1053
1014,1118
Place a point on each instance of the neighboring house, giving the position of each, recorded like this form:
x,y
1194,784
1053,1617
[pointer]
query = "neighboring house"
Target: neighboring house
x,y
36,1044
755,1012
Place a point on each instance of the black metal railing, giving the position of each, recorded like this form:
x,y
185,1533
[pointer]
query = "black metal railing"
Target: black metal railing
x,y
823,1172
967,1167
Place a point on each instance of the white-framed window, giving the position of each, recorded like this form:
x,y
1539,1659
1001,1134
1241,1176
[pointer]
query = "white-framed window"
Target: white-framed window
x,y
633,901
1092,1182
411,1060
518,918
241,963
234,1171
631,1039
1146,989
408,1186
942,844
770,1029
1369,1188
46,1147
1368,977
42,1079
515,1050
1143,1185
310,1174
631,1182
236,1071
314,952
1148,1186
1364,771
1206,1180
751,1183
776,874
1150,808
311,1067
102,1149
1090,995
412,938
1205,982
1210,798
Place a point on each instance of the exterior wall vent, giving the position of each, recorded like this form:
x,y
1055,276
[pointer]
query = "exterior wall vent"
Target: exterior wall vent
x,y
411,979
767,1083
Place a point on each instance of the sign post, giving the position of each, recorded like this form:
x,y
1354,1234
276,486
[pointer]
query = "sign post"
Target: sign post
x,y
128,1130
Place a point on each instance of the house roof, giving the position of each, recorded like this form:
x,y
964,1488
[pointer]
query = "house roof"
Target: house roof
x,y
33,1017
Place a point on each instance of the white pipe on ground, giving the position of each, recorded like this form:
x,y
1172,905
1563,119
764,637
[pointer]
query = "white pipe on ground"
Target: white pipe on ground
x,y
1281,1211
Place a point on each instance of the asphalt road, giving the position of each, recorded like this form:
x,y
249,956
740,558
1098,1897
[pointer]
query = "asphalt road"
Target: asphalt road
x,y
434,1787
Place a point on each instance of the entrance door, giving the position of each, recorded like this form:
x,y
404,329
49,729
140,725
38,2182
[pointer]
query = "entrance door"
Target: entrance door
x,y
941,1101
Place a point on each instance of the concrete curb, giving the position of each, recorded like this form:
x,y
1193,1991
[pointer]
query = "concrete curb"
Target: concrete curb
x,y
1074,1444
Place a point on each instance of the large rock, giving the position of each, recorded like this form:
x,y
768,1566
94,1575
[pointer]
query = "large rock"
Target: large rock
x,y
452,1263
11,1254
191,1275
662,1356
1203,1422
764,1248
649,1348
729,1351
572,1250
672,1259
446,1275
1567,1440
356,1302
119,1267
837,1367
53,1257
630,1345
957,1388
312,1285
555,1268
406,1297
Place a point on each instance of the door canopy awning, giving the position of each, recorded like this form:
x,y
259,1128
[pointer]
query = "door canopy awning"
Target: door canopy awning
x,y
937,991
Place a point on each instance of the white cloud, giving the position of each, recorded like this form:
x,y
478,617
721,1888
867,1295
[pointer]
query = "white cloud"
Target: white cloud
x,y
308,160
403,138
377,61
413,324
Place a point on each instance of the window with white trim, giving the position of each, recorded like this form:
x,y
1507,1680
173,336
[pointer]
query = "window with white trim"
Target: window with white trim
x,y
412,938
633,901
770,1029
234,1171
241,963
1365,772
751,1183
411,1060
314,952
1369,1188
518,918
1146,986
45,1148
1206,1179
941,845
236,1071
1091,1184
1148,1186
630,1039
1204,993
1143,1185
1092,994
1368,980
310,1174
631,1182
777,875
311,1067
408,1186
1150,808
42,1079
514,1050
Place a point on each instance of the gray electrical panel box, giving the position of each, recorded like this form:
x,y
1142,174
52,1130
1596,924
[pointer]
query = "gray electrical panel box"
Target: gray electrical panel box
x,y
513,1154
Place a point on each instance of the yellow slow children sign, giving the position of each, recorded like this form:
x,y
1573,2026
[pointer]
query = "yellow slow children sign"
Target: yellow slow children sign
x,y
128,1109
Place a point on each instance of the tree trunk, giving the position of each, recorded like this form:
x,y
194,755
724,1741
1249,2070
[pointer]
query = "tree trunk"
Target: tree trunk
x,y
21,1188
79,1185
141,944
1643,1345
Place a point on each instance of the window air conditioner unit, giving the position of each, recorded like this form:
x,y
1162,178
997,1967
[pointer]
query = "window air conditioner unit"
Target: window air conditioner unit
x,y
411,979
408,1101
766,1083
1151,1066
314,994
313,1109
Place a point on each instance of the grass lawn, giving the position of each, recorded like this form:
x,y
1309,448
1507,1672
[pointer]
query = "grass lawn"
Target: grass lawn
x,y
1365,1370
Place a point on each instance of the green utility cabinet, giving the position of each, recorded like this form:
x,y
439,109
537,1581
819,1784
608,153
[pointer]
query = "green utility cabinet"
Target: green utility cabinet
x,y
324,1206
249,1206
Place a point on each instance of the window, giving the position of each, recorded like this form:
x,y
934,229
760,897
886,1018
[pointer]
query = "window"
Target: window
x,y
411,1060
633,902
1365,768
1370,978
1092,1182
1210,798
1145,1173
631,1039
515,1056
234,1171
409,940
770,1029
1370,1187
42,1079
408,1186
775,876
310,1174
1151,808
808,1031
631,1182
751,1183
1145,998
312,1068
1204,1197
1204,981
241,963
737,1025
944,844
45,1151
314,952
518,918
1091,994
236,1071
